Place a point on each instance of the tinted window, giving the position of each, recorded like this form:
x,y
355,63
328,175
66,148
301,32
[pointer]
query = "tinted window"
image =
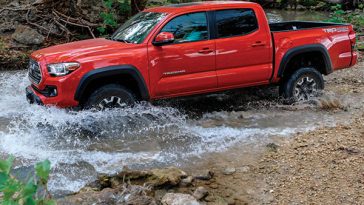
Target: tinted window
x,y
235,22
188,27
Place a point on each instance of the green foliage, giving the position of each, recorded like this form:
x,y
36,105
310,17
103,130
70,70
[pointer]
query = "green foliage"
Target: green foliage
x,y
354,17
16,192
107,16
113,9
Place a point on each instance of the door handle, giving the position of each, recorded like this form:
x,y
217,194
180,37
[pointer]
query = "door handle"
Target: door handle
x,y
205,51
258,44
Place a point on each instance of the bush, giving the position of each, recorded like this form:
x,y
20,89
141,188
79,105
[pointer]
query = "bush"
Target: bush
x,y
354,17
16,192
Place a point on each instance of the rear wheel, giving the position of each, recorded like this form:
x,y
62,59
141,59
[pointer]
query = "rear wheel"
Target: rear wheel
x,y
110,96
302,85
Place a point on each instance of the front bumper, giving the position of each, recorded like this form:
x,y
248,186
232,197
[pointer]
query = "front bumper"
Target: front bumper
x,y
32,97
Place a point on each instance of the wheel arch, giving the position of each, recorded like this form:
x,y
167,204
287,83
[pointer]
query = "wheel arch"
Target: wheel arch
x,y
126,75
291,54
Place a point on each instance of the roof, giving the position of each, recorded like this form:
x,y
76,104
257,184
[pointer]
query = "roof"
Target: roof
x,y
176,8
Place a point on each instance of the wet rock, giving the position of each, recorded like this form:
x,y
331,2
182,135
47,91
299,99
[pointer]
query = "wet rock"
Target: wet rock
x,y
159,193
133,194
229,171
272,147
128,194
28,36
200,193
203,175
186,181
167,176
106,196
179,199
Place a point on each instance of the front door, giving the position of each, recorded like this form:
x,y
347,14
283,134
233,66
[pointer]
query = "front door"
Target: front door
x,y
187,65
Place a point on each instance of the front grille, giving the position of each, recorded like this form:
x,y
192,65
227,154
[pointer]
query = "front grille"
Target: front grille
x,y
34,72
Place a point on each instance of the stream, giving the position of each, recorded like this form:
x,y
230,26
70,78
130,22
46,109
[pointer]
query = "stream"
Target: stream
x,y
81,145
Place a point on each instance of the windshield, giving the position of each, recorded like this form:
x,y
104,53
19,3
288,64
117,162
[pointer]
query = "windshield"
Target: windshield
x,y
136,29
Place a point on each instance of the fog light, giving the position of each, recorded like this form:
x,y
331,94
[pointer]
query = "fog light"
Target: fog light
x,y
53,92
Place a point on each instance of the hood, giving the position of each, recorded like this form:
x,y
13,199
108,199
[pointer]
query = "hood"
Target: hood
x,y
75,51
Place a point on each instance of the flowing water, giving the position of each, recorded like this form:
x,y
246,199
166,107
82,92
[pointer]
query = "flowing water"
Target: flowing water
x,y
82,144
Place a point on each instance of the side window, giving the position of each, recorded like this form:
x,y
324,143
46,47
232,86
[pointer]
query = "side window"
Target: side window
x,y
188,27
235,22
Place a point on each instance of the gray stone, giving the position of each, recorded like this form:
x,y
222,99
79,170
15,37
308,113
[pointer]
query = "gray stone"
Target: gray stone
x,y
179,199
200,193
204,175
229,171
186,181
28,36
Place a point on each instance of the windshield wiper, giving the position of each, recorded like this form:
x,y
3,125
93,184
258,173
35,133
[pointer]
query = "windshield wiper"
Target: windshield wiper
x,y
120,40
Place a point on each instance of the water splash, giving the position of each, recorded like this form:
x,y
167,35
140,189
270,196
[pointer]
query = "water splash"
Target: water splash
x,y
82,144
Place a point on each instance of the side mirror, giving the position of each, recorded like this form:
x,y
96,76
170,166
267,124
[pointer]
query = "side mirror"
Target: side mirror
x,y
163,38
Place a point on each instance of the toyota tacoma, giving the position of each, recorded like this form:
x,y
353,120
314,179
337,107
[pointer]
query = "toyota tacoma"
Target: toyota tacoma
x,y
187,49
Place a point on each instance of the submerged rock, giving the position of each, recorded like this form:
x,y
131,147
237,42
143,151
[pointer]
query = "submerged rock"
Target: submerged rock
x,y
179,199
28,36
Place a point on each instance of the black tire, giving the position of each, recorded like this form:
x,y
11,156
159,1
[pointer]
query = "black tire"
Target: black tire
x,y
110,96
302,85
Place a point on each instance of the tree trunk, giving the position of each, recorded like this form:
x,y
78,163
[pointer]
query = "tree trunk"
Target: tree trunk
x,y
137,6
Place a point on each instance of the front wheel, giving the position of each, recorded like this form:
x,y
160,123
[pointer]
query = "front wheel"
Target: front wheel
x,y
110,96
302,85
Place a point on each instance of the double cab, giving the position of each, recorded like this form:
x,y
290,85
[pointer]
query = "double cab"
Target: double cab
x,y
187,49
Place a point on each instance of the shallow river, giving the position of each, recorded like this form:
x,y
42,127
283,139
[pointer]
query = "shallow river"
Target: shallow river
x,y
82,144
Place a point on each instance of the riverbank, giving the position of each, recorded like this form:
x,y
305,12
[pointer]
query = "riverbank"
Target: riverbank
x,y
322,166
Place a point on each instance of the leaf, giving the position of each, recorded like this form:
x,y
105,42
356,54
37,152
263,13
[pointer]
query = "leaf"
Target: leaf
x,y
9,202
46,202
10,188
3,179
42,170
29,201
108,4
29,189
101,29
5,165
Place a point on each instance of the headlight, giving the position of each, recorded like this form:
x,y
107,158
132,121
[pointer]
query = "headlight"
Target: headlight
x,y
61,69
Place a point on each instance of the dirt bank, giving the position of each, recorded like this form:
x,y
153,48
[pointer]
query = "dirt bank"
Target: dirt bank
x,y
324,166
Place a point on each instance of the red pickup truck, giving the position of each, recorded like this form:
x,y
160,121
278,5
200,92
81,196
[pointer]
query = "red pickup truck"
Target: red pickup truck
x,y
187,49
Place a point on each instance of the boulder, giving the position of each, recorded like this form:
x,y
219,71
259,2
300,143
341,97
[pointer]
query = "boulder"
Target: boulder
x,y
179,199
28,36
167,176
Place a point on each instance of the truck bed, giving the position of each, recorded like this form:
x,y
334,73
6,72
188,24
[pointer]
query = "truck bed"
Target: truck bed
x,y
299,25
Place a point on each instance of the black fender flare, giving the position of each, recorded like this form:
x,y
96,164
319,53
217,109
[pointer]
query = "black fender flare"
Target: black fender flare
x,y
305,49
109,71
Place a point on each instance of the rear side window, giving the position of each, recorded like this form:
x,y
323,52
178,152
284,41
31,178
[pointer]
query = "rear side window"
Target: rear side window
x,y
235,22
188,27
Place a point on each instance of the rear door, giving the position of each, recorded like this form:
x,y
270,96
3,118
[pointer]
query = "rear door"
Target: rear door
x,y
243,49
188,64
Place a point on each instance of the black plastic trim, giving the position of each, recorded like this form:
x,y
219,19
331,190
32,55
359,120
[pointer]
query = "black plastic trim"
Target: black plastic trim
x,y
32,97
287,26
105,72
305,49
